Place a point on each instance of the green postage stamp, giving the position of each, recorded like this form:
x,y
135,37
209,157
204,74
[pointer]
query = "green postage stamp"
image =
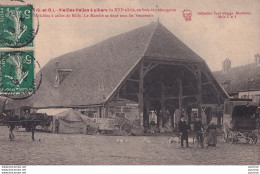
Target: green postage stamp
x,y
17,72
16,26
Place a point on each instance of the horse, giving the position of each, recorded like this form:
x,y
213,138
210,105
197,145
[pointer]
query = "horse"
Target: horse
x,y
28,121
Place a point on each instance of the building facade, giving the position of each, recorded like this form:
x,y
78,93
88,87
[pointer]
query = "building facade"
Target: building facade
x,y
130,75
241,82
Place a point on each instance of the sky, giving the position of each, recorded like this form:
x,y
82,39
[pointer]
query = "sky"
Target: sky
x,y
212,38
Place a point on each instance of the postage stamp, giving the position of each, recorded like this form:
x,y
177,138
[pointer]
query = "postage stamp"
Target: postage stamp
x,y
16,26
17,72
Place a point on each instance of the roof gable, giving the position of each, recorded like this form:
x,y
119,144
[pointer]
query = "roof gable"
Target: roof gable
x,y
96,71
166,45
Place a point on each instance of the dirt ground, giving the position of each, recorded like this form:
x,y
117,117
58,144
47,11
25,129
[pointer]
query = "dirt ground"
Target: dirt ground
x,y
68,149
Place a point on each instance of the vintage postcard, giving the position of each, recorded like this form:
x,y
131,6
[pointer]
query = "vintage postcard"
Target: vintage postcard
x,y
129,82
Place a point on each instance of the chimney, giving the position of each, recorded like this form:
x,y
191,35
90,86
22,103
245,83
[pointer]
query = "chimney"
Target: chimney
x,y
226,65
257,59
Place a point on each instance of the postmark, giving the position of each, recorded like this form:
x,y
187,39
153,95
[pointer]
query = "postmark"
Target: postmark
x,y
16,26
17,72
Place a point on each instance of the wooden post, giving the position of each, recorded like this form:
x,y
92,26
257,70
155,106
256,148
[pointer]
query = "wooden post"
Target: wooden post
x,y
106,114
162,106
199,86
100,111
219,119
53,124
180,92
141,94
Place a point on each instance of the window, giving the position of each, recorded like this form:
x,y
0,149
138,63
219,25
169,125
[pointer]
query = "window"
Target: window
x,y
61,74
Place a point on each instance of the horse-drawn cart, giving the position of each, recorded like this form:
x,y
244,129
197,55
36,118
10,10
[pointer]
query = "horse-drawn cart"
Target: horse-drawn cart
x,y
239,121
29,123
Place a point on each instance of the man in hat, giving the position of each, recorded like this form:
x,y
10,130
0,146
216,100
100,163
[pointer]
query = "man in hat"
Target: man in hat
x,y
198,129
184,128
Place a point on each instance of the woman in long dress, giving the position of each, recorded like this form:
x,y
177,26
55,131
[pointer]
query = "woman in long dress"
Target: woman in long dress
x,y
212,138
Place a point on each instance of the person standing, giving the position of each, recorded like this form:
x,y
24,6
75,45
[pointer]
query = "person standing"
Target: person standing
x,y
212,138
198,129
184,128
152,126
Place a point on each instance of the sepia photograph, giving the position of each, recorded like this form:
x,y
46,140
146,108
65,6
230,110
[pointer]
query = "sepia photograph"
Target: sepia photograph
x,y
129,82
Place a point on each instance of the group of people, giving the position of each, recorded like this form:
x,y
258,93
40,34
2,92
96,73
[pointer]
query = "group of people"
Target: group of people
x,y
199,130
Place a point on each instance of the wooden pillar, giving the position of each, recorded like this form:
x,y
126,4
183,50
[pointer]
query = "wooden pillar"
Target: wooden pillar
x,y
100,111
180,92
199,87
106,113
141,94
53,124
162,105
220,116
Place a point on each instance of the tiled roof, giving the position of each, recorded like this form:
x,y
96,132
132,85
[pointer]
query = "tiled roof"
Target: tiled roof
x,y
96,71
242,78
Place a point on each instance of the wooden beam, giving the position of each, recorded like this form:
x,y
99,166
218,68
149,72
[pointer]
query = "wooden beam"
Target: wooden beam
x,y
191,85
141,94
207,83
134,80
210,105
106,114
199,92
131,94
162,105
177,97
150,67
218,98
210,80
189,68
180,91
165,60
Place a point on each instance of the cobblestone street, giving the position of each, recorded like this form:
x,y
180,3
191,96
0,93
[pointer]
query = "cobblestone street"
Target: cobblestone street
x,y
67,149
